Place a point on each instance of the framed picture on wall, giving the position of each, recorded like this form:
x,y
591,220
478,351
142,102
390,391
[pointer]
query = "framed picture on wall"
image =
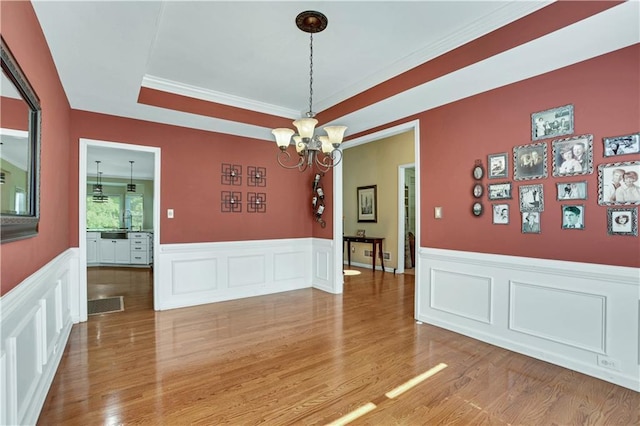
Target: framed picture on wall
x,y
621,145
499,191
367,203
530,161
622,221
572,190
618,183
573,216
500,214
531,198
573,156
552,122
530,222
498,166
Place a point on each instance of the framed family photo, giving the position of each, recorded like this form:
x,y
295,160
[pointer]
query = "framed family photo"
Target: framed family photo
x,y
573,156
618,183
367,203
530,161
552,122
500,214
531,198
530,222
572,190
498,166
621,145
622,221
573,216
499,191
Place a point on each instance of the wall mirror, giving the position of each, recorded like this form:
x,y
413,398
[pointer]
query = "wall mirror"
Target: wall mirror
x,y
20,123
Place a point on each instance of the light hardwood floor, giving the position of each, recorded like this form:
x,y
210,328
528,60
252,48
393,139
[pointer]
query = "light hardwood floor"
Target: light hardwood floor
x,y
306,357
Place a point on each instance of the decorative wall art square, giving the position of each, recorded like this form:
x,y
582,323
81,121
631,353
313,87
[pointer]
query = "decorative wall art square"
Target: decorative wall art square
x,y
256,202
231,174
500,214
256,176
231,202
573,216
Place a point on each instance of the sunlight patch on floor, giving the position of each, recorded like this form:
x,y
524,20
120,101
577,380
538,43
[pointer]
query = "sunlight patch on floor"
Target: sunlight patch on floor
x,y
351,272
415,381
358,412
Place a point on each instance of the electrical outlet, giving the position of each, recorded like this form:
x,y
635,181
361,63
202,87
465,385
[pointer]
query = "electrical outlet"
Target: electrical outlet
x,y
607,362
353,249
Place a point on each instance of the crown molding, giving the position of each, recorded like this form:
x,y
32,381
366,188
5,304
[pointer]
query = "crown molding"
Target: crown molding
x,y
195,92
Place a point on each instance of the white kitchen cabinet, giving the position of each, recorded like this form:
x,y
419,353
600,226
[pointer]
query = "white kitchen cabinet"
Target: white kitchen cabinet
x,y
92,247
141,248
115,251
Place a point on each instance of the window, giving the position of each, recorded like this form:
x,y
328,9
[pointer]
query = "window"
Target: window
x,y
118,211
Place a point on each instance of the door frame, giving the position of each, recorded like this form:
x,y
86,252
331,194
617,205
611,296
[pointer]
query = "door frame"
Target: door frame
x,y
338,246
401,213
85,144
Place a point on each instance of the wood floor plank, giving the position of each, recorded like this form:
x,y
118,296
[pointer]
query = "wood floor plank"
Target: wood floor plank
x,y
305,357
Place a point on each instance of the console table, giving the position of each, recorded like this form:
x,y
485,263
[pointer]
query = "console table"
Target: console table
x,y
374,241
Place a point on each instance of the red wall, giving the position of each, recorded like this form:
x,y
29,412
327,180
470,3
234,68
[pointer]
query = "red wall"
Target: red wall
x,y
15,113
21,31
191,164
604,92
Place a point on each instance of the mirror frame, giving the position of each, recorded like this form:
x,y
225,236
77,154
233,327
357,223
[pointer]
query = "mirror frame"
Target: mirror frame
x,y
18,227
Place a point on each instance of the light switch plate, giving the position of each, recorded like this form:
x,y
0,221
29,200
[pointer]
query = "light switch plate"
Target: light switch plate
x,y
170,213
437,211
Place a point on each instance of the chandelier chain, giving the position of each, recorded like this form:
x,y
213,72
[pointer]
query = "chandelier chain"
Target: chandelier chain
x,y
311,75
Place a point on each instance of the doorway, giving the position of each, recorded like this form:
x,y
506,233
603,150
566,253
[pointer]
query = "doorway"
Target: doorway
x,y
338,191
126,150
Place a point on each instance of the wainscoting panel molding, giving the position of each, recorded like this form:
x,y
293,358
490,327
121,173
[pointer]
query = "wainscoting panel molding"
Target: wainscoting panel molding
x,y
195,274
36,322
461,294
585,317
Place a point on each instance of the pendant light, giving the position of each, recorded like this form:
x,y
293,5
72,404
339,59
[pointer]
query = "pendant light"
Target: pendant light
x,y
98,196
131,187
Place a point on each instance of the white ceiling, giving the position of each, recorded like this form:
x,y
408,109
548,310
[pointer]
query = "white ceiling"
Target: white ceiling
x,y
251,54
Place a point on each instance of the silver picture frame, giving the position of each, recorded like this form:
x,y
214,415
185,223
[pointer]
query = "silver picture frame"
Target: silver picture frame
x,y
498,166
552,123
621,145
530,161
613,190
531,198
530,222
621,221
573,156
499,191
571,190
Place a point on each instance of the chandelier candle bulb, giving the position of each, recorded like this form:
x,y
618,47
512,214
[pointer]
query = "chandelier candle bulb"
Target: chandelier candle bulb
x,y
283,137
335,134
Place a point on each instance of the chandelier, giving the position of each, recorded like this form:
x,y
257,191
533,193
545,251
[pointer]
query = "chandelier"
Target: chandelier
x,y
321,151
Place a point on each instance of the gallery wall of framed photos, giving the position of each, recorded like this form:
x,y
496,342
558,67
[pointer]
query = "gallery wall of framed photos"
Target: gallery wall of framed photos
x,y
553,210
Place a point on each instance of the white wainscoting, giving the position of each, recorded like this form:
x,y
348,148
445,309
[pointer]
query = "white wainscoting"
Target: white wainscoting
x,y
585,317
36,318
199,273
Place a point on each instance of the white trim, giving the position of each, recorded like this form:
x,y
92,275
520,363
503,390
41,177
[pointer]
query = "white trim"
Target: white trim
x,y
338,202
195,92
401,215
572,314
